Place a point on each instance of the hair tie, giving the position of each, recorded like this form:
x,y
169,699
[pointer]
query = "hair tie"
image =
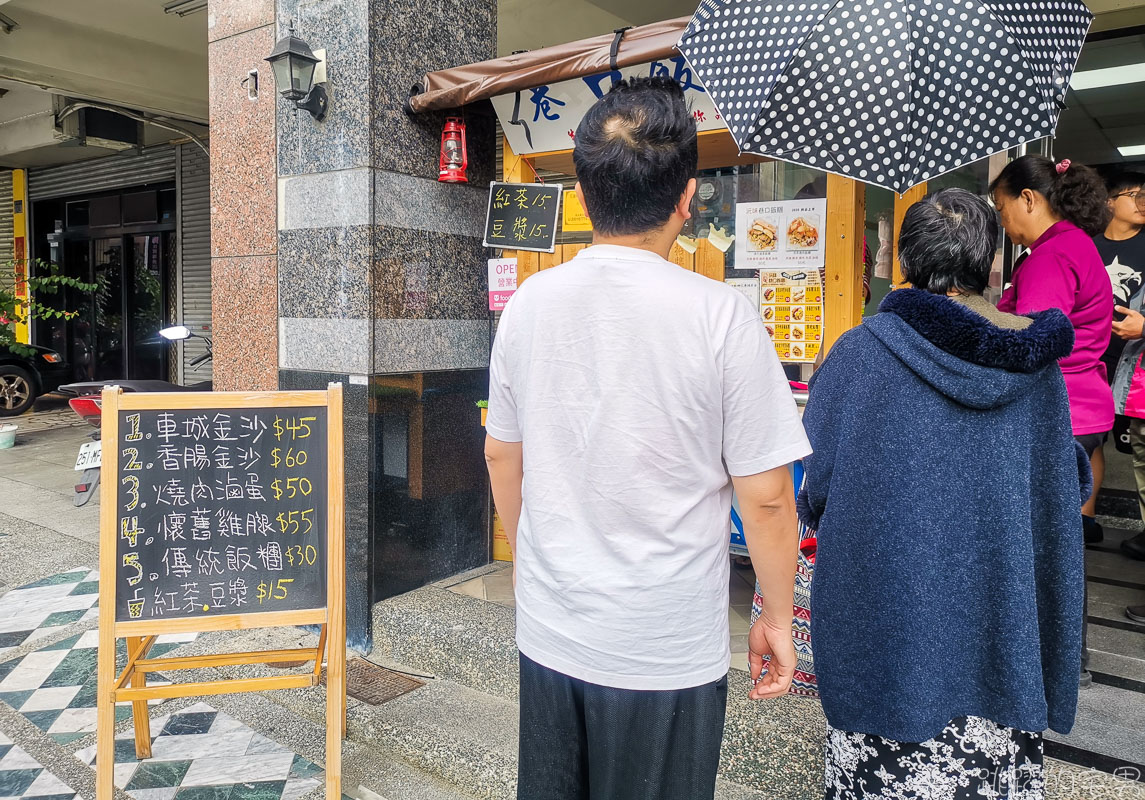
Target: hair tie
x,y
1062,166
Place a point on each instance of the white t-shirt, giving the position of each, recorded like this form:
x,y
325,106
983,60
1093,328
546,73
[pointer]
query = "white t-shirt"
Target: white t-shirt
x,y
635,387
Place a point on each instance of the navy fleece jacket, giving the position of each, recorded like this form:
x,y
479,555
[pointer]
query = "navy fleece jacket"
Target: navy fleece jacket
x,y
945,490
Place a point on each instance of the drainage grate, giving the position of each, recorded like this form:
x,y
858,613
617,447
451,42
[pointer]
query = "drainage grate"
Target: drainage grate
x,y
375,685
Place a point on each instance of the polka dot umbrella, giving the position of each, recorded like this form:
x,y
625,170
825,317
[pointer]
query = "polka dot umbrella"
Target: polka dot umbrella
x,y
890,92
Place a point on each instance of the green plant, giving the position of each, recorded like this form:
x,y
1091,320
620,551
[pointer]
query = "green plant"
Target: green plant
x,y
44,282
483,404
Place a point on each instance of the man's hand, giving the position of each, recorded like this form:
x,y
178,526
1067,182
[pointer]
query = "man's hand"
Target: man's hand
x,y
766,639
1130,327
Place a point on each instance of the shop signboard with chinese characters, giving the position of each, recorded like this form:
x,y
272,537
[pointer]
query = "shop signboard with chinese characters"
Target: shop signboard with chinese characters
x,y
523,216
502,282
219,511
544,118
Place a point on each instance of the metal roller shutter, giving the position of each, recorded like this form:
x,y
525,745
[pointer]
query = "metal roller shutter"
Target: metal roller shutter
x,y
6,230
155,165
194,257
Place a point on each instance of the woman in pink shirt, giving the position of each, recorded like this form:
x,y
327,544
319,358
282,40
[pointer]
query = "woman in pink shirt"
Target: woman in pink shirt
x,y
1055,209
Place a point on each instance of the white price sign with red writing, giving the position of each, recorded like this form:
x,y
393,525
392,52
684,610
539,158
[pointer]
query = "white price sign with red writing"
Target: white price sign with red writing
x,y
502,281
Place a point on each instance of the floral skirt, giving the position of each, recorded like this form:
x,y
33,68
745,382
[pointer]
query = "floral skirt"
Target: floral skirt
x,y
972,759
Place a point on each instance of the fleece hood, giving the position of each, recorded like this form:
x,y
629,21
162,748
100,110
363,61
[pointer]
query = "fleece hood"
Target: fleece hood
x,y
961,354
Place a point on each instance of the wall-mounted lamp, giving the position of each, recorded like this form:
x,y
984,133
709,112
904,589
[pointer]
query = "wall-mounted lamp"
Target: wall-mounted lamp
x,y
293,63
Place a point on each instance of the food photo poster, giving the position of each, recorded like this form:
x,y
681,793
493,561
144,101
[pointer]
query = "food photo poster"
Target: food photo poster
x,y
782,235
784,241
791,304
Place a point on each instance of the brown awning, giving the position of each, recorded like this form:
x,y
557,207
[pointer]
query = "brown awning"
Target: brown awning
x,y
453,88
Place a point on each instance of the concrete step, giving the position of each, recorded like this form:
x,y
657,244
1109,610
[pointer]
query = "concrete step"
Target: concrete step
x,y
470,642
466,737
446,740
383,754
771,749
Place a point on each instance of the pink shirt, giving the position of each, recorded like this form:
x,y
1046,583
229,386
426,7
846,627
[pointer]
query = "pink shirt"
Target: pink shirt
x,y
1064,270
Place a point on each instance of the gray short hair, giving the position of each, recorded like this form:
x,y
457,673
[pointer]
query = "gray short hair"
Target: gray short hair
x,y
947,242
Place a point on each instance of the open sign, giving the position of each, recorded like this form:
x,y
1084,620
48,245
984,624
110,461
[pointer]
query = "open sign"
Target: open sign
x,y
502,281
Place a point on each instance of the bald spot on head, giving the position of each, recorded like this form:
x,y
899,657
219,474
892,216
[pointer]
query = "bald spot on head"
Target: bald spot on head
x,y
622,127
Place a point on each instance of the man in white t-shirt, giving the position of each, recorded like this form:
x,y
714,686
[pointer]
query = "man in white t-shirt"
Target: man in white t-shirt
x,y
624,391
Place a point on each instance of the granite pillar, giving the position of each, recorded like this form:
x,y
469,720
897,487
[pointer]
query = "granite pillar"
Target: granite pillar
x,y
381,285
244,235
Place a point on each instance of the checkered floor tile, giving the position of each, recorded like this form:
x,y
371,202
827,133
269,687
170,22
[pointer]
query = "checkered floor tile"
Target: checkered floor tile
x,y
197,754
54,687
203,754
21,776
42,608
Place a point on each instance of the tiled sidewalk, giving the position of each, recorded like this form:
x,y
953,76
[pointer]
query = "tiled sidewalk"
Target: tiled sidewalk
x,y
40,609
203,754
54,687
49,413
198,753
22,776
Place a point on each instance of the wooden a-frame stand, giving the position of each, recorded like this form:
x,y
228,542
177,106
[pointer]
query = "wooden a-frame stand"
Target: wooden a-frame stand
x,y
131,683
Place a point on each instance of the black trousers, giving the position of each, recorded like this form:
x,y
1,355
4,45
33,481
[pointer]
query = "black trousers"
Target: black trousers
x,y
581,741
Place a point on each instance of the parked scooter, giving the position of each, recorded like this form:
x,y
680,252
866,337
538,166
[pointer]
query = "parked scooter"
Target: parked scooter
x,y
86,400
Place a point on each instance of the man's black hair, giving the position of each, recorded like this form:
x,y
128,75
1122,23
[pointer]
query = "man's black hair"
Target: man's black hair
x,y
635,153
1124,181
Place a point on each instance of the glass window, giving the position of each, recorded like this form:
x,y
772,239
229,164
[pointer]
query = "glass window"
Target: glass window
x,y
77,214
104,211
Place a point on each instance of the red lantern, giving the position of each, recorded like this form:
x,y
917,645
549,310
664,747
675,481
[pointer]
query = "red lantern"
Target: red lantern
x,y
454,158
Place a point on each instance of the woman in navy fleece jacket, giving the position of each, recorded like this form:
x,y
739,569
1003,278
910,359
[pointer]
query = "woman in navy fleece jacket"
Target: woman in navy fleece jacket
x,y
947,594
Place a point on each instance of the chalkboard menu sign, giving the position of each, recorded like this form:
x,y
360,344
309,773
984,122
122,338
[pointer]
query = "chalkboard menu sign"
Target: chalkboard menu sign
x,y
221,511
523,216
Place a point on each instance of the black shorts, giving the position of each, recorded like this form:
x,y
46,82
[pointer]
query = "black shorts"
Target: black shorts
x,y
579,740
1091,441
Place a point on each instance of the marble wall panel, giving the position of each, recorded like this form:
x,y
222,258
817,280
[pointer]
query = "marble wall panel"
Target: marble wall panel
x,y
243,180
228,17
406,201
325,272
432,344
244,303
357,426
325,199
410,39
325,345
429,486
342,139
425,275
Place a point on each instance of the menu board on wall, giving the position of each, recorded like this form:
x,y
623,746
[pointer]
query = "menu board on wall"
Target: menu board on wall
x,y
220,511
785,235
523,216
791,304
